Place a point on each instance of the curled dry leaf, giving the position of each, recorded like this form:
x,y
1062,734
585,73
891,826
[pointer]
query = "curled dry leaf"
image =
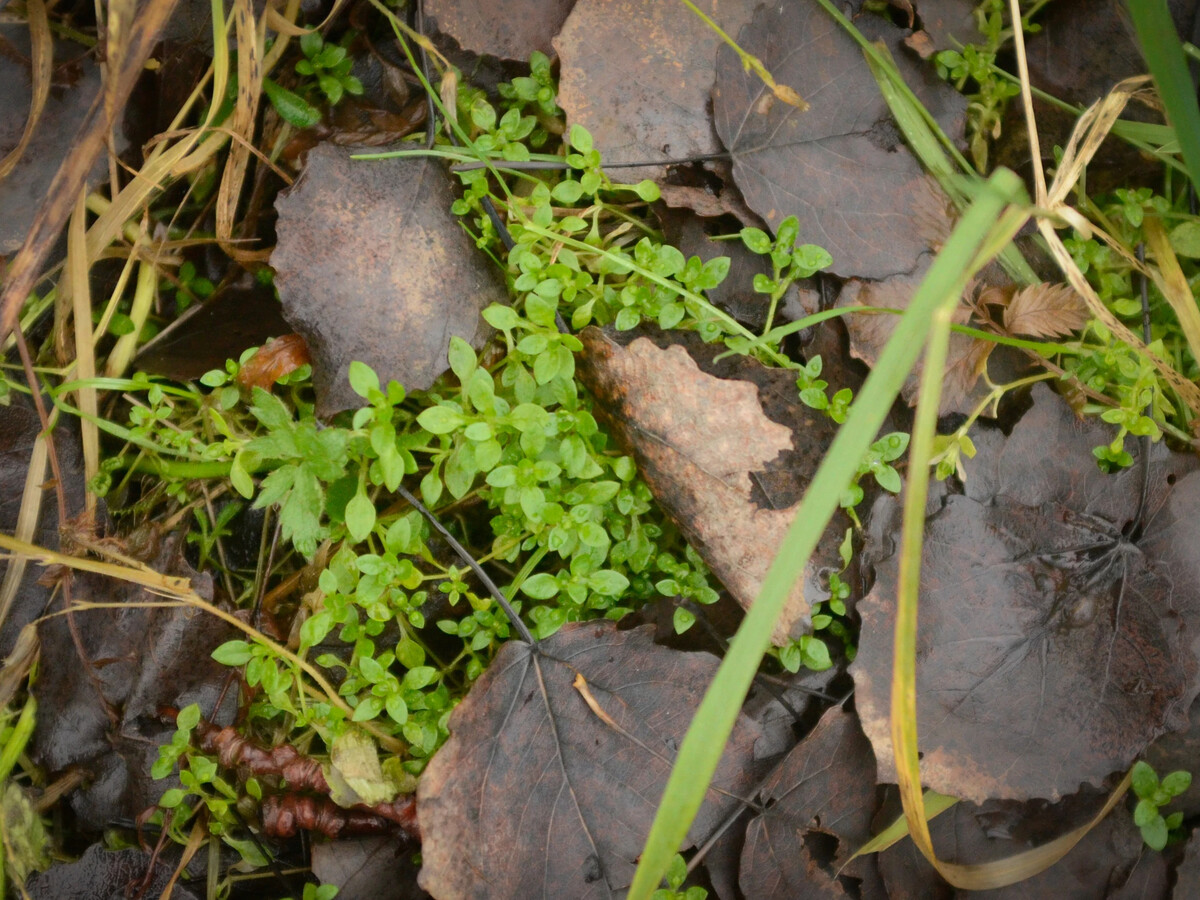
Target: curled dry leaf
x,y
1045,311
1059,616
372,266
728,472
547,790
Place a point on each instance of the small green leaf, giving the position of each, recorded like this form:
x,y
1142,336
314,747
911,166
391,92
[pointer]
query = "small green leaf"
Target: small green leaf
x,y
462,359
1177,782
233,653
1145,781
581,139
292,108
363,379
541,586
440,419
360,517
1155,834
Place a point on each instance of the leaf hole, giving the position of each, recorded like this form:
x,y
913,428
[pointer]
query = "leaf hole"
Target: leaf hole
x,y
822,847
1171,478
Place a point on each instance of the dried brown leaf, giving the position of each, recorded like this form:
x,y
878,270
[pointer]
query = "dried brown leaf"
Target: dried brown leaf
x,y
372,266
1045,311
535,795
730,474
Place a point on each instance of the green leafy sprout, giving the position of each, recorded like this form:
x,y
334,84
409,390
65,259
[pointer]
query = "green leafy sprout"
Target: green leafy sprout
x,y
1152,795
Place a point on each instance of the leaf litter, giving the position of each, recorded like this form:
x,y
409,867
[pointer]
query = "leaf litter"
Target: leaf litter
x,y
724,448
588,721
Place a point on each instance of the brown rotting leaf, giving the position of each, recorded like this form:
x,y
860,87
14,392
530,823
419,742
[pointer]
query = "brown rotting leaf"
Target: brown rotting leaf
x,y
841,167
727,472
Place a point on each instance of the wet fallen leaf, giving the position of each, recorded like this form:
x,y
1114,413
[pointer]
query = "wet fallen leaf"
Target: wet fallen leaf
x,y
869,333
511,29
101,874
371,266
1058,629
534,795
373,868
818,806
75,86
19,427
637,74
106,707
1045,310
841,167
1109,862
1187,873
727,449
947,24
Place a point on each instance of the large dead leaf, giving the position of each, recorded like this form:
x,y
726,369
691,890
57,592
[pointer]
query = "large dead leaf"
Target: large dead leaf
x,y
637,74
1109,862
869,333
1058,629
727,470
818,804
841,167
371,266
105,707
556,762
74,87
511,29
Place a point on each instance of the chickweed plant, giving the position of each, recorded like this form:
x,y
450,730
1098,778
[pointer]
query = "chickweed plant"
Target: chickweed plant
x,y
505,450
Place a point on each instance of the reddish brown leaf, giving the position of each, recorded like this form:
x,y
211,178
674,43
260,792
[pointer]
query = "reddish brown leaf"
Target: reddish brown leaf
x,y
637,74
1045,310
1057,634
730,474
534,795
272,361
841,167
371,266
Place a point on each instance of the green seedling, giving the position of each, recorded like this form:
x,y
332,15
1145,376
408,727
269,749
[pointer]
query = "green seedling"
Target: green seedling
x,y
1152,795
329,66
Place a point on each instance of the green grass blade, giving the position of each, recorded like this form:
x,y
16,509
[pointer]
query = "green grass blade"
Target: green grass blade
x,y
1163,53
714,720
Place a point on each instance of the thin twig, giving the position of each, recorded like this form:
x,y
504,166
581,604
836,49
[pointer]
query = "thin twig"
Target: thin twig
x,y
466,557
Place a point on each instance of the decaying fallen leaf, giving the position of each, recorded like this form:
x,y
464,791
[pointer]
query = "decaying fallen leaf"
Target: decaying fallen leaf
x,y
1058,626
818,804
727,471
841,167
372,266
138,658
637,74
869,333
534,795
1045,311
511,29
